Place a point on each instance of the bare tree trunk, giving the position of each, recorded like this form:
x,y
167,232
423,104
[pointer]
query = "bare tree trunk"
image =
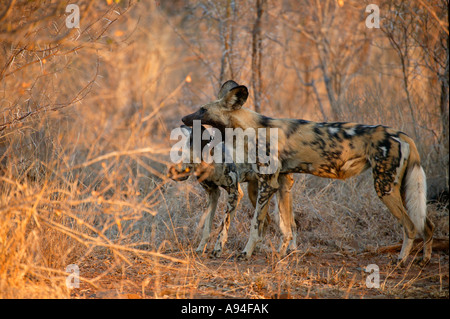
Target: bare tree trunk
x,y
444,105
404,59
256,55
226,37
399,36
324,65
313,85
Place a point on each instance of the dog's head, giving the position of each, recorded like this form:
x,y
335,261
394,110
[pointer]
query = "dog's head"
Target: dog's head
x,y
231,97
181,171
187,166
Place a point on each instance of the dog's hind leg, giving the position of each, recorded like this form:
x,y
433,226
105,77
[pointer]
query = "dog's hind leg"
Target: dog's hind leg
x,y
393,202
287,222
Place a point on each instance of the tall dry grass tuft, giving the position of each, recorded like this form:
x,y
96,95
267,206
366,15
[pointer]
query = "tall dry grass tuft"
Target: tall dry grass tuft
x,y
82,151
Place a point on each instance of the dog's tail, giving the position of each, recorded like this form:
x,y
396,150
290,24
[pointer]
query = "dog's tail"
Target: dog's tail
x,y
414,188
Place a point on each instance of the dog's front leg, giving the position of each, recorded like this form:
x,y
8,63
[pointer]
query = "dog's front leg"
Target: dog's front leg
x,y
213,198
234,196
267,186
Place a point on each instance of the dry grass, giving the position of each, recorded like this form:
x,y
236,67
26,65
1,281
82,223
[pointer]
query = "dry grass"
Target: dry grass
x,y
84,142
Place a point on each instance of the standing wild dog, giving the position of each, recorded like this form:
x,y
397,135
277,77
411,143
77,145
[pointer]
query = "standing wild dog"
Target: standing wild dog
x,y
229,176
333,150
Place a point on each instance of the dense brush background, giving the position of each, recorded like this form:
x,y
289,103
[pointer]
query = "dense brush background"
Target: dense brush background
x,y
86,114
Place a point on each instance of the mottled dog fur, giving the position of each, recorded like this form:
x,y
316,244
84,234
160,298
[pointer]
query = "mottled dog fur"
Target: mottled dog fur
x,y
333,150
229,176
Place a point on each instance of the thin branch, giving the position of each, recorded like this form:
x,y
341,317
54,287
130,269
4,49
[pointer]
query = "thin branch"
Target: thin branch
x,y
5,14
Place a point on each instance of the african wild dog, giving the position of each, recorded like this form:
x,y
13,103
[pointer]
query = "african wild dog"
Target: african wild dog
x,y
333,150
229,176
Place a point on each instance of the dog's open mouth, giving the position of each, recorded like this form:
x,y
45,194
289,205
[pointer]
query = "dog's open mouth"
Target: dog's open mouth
x,y
179,176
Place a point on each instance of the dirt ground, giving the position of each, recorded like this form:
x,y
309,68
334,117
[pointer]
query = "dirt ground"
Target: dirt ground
x,y
314,274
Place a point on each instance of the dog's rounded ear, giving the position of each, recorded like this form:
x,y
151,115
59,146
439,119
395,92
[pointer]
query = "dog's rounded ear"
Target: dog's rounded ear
x,y
226,87
235,98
